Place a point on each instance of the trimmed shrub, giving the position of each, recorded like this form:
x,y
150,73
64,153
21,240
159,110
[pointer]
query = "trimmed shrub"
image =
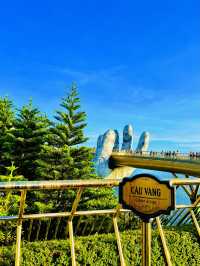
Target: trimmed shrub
x,y
102,250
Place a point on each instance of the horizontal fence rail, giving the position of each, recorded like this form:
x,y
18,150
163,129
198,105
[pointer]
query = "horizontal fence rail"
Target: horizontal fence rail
x,y
189,185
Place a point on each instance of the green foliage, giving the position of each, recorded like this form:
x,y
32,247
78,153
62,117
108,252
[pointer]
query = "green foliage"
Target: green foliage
x,y
9,205
10,177
99,198
102,250
55,163
9,201
30,132
185,247
6,127
7,233
6,113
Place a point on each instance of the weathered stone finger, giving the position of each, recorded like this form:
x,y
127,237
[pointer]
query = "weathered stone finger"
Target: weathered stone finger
x,y
116,144
108,143
143,142
99,146
127,138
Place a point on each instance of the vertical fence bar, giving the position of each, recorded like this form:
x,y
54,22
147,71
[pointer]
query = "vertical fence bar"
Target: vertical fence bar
x,y
78,224
70,225
195,222
38,230
47,229
119,245
101,224
146,243
193,214
122,261
57,227
19,228
196,190
30,230
166,251
71,239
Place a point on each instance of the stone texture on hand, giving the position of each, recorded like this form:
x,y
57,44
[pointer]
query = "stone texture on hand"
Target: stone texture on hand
x,y
109,142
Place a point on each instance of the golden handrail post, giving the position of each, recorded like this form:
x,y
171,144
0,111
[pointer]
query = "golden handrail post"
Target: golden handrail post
x,y
146,243
162,236
116,229
70,225
19,228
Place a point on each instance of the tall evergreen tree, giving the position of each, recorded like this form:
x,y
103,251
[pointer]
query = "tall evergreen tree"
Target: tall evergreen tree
x,y
71,121
6,126
64,157
30,132
70,132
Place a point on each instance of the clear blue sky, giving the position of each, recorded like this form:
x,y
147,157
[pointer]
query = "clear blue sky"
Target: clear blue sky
x,y
134,62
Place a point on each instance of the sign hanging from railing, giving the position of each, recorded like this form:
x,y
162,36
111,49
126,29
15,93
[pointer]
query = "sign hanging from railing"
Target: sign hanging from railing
x,y
147,196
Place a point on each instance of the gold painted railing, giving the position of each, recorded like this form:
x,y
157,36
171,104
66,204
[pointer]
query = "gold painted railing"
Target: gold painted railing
x,y
190,186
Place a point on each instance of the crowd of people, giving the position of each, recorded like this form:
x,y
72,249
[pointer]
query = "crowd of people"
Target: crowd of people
x,y
167,154
158,154
194,155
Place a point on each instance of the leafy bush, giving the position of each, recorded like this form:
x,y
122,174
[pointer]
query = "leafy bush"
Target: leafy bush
x,y
102,250
9,205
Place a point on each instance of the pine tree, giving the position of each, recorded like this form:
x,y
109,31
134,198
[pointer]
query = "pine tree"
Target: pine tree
x,y
6,126
71,121
30,132
70,132
64,157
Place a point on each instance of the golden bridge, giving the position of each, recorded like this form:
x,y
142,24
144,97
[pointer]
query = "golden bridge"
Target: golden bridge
x,y
174,163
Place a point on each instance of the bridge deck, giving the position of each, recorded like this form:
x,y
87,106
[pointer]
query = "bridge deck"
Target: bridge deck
x,y
182,164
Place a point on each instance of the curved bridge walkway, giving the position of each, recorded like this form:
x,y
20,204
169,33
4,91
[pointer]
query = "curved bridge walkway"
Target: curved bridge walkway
x,y
188,164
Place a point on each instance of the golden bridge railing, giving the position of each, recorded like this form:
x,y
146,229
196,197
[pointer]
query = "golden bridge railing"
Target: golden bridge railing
x,y
190,186
172,155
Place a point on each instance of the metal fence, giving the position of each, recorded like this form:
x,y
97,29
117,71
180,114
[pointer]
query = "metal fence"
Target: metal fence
x,y
190,186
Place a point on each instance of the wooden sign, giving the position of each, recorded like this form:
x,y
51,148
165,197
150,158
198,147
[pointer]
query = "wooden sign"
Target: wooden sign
x,y
147,196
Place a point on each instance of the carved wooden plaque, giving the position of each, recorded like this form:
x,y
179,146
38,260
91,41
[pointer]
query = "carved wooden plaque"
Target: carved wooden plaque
x,y
147,196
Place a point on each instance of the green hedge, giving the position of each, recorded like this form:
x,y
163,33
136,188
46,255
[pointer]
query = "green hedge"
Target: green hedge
x,y
101,250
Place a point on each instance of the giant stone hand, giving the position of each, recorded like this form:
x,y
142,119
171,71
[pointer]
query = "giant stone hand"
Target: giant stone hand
x,y
109,142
